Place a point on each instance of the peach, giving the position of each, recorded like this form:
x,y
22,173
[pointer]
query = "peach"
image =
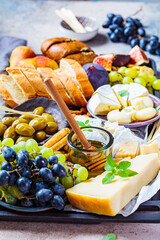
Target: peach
x,y
19,53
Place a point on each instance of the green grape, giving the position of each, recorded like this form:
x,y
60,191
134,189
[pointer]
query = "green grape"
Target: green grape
x,y
0,143
150,89
78,180
31,145
140,81
64,165
15,148
40,148
8,142
151,78
156,84
77,166
57,179
122,70
46,152
75,172
131,72
114,76
127,80
82,173
61,157
67,182
21,145
143,75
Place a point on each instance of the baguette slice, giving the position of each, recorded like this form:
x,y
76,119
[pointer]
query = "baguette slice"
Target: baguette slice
x,y
13,88
29,71
49,73
22,83
78,75
71,87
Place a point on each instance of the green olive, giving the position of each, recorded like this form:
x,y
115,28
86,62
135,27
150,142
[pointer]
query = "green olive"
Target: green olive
x,y
3,128
19,120
38,123
10,133
21,138
39,110
8,121
40,136
24,129
48,117
51,128
28,117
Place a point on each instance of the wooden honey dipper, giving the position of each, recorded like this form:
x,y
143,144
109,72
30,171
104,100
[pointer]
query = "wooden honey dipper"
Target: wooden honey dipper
x,y
62,105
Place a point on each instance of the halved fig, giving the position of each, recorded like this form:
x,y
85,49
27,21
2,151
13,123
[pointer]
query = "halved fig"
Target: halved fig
x,y
105,61
121,60
137,56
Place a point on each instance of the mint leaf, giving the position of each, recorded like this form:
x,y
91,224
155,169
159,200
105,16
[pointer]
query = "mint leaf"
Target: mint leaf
x,y
81,124
108,178
127,110
110,161
123,93
127,173
87,121
123,165
110,236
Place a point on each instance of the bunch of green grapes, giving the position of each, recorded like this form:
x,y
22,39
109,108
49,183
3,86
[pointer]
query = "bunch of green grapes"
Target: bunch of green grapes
x,y
126,75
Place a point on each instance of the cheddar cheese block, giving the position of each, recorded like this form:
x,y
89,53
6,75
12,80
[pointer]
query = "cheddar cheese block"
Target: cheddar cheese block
x,y
109,199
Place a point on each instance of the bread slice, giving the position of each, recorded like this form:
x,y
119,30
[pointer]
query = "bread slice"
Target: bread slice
x,y
7,97
78,75
22,83
71,87
13,88
49,73
35,80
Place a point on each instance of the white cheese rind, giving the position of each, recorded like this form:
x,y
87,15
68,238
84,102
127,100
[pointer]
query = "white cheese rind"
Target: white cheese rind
x,y
117,89
136,90
107,92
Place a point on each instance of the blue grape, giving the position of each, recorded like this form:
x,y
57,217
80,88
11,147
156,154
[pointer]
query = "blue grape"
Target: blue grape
x,y
119,32
157,52
138,23
53,159
154,38
129,25
141,32
110,16
149,48
57,202
123,39
24,202
31,163
113,27
154,44
9,154
142,43
41,162
13,178
113,37
6,166
39,186
109,32
117,20
44,195
106,24
25,171
128,31
58,189
4,177
129,19
22,157
130,38
40,204
59,171
24,185
47,175
134,42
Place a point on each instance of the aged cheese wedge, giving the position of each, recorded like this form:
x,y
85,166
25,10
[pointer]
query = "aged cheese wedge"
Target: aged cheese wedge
x,y
149,148
121,91
101,105
128,149
109,199
141,102
107,92
136,90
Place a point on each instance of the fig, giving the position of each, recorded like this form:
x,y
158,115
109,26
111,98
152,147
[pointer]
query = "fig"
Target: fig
x,y
97,74
137,56
120,60
105,61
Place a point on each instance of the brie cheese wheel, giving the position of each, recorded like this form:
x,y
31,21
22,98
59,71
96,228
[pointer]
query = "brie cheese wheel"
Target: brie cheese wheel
x,y
121,91
141,102
136,90
99,104
107,92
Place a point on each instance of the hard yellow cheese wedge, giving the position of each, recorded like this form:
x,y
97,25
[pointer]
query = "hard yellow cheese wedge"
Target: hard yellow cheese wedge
x,y
109,199
128,149
149,148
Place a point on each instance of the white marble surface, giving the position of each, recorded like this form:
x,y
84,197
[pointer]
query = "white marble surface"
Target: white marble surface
x,y
36,21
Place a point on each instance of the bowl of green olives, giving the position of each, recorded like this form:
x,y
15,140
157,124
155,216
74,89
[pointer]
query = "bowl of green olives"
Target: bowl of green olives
x,y
47,121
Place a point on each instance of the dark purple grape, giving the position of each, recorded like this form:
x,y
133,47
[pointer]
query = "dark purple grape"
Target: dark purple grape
x,y
6,166
59,171
9,154
157,52
130,38
24,185
22,157
129,25
149,48
142,43
113,37
31,163
117,20
57,202
13,178
137,23
24,202
129,19
154,44
134,42
44,195
110,16
25,171
39,185
154,38
41,162
128,31
118,32
58,189
47,175
123,39
106,23
113,27
141,32
52,159
109,32
4,177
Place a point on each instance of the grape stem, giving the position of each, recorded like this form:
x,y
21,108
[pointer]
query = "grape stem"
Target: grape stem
x,y
135,13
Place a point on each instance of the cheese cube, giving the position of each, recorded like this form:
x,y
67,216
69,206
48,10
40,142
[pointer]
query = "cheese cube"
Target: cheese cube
x,y
149,148
109,199
128,149
136,90
121,91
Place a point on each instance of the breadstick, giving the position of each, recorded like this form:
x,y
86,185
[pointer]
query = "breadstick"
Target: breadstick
x,y
59,144
83,110
77,112
57,137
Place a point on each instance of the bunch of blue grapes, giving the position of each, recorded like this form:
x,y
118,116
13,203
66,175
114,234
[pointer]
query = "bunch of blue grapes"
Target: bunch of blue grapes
x,y
130,31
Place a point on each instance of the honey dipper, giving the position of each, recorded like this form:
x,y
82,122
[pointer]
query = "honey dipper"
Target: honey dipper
x,y
62,105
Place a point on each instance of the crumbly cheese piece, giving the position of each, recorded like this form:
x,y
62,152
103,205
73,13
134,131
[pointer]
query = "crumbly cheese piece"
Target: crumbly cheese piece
x,y
149,148
121,91
128,149
109,199
131,112
107,92
101,105
136,90
141,102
